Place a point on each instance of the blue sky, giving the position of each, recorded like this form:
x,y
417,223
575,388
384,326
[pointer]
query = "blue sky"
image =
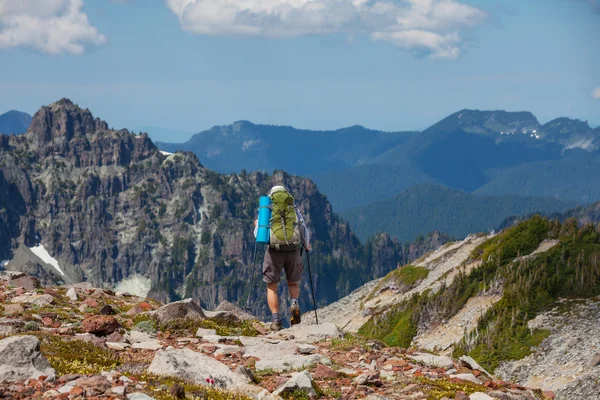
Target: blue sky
x,y
321,64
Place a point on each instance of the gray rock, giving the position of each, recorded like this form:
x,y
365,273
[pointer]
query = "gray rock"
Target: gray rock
x,y
471,363
138,337
230,311
118,390
433,360
245,371
311,333
21,359
150,345
72,294
139,396
305,348
201,332
36,299
8,276
595,361
299,382
287,363
117,346
229,350
195,367
480,396
467,377
187,309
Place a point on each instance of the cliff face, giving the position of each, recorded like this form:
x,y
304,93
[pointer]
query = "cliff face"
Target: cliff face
x,y
107,205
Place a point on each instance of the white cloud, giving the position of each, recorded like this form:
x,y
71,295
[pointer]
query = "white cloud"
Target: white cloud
x,y
596,93
425,25
52,26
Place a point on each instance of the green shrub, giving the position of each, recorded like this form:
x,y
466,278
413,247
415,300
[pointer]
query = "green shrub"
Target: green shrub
x,y
147,326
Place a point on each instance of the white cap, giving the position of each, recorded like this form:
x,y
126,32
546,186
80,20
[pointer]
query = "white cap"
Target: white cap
x,y
276,189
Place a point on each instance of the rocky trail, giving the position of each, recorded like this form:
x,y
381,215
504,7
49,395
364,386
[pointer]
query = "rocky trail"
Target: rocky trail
x,y
81,342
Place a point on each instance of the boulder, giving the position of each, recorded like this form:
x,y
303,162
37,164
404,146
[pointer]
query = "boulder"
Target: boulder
x,y
467,377
245,371
299,382
100,324
196,367
471,363
433,360
290,362
27,282
305,348
186,309
324,372
35,299
117,346
150,345
230,312
201,332
311,333
8,276
107,310
13,309
93,386
480,396
72,294
595,361
21,359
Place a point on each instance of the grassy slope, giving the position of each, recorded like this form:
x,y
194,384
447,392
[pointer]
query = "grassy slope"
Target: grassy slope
x,y
570,269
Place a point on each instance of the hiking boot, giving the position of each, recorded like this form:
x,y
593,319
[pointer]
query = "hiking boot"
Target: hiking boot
x,y
295,311
276,326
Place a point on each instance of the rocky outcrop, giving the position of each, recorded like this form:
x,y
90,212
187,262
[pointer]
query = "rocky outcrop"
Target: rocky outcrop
x,y
187,309
20,359
564,361
195,367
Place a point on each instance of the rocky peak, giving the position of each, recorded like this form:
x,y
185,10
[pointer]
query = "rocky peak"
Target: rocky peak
x,y
63,121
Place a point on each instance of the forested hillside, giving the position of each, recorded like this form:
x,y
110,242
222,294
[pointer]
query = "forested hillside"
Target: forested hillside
x,y
424,208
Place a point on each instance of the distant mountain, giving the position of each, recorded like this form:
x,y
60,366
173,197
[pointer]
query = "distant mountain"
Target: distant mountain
x,y
492,152
424,208
244,145
14,122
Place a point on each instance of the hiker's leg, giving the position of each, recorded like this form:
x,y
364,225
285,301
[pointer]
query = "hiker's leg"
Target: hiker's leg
x,y
272,297
293,272
294,289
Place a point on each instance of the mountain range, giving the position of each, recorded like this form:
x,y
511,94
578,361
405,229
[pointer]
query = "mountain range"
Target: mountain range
x,y
82,202
506,155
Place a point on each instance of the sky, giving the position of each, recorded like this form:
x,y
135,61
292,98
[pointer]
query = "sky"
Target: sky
x,y
176,67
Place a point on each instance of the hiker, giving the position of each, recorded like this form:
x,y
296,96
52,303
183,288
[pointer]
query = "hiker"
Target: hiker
x,y
288,235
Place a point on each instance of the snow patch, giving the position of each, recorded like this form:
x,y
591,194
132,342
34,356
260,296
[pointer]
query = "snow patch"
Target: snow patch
x,y
41,252
165,153
136,285
4,263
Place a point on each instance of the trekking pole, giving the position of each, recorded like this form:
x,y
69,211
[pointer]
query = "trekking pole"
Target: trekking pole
x,y
312,288
247,306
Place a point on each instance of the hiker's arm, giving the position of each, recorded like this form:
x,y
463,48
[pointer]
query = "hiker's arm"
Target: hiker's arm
x,y
304,231
255,227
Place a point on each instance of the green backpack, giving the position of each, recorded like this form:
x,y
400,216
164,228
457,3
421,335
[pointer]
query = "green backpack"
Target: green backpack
x,y
285,229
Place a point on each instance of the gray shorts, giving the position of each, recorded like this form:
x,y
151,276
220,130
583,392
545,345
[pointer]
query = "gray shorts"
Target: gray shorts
x,y
275,261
